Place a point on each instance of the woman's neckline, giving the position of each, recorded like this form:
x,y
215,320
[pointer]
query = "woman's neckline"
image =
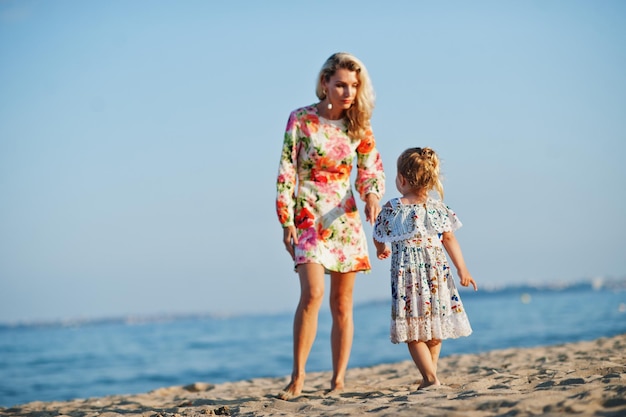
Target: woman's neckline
x,y
334,122
319,114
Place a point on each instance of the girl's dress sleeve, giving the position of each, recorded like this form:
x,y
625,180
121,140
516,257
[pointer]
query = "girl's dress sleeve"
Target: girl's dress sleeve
x,y
287,174
370,175
398,222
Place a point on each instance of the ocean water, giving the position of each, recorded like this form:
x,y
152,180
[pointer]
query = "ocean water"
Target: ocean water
x,y
91,359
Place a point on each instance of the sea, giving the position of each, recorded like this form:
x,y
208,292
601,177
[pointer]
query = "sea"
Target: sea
x,y
59,361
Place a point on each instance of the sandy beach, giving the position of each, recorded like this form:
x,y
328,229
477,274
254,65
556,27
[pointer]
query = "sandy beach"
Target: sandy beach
x,y
584,378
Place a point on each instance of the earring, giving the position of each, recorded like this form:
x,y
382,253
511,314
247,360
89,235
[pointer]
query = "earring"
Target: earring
x,y
329,105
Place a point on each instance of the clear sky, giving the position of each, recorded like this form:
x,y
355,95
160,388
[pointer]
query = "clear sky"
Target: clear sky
x,y
139,142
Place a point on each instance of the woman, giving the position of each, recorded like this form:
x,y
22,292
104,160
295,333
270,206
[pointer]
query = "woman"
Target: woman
x,y
322,229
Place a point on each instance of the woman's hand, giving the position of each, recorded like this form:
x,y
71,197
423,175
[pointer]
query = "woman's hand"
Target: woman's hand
x,y
372,207
290,239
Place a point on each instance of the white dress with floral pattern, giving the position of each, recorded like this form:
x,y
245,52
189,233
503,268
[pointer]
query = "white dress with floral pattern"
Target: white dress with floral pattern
x,y
314,191
425,302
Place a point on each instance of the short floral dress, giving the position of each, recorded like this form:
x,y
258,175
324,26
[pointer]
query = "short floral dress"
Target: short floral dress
x,y
314,191
425,302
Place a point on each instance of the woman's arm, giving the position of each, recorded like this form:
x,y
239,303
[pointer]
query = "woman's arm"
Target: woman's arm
x,y
372,207
370,178
286,179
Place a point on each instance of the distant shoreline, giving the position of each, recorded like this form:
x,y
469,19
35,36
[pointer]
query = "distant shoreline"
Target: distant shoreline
x,y
598,283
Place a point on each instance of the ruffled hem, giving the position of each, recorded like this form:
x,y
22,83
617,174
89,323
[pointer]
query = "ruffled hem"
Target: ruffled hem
x,y
398,222
409,329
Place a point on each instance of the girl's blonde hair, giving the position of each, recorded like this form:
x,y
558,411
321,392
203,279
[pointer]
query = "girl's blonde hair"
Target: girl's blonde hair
x,y
360,113
420,167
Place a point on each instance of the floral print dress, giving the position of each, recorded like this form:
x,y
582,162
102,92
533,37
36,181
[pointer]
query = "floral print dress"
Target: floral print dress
x,y
425,303
314,191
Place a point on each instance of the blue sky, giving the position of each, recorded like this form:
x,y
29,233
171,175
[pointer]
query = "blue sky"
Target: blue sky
x,y
139,142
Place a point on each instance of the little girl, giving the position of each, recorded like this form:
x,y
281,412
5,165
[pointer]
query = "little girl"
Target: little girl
x,y
426,307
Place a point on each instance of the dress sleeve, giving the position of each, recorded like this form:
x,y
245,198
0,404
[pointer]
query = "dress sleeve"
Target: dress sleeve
x,y
441,218
396,222
286,180
370,174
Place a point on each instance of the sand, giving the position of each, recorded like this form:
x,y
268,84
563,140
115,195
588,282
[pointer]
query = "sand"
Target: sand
x,y
584,378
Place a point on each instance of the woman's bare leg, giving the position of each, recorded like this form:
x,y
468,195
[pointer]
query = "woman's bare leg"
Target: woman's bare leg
x,y
305,324
423,359
341,302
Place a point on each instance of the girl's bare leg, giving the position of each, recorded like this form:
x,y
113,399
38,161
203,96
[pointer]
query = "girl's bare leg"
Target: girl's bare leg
x,y
341,302
434,346
305,324
423,359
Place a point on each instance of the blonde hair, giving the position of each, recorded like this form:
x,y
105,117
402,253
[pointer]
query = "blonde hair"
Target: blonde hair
x,y
420,167
360,113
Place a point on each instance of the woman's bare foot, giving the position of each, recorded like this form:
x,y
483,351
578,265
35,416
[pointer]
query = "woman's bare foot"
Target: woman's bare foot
x,y
293,390
336,386
429,385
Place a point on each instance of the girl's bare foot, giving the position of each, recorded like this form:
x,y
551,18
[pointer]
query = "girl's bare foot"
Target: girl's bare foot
x,y
293,390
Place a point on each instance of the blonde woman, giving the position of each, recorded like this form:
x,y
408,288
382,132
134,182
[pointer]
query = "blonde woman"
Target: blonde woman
x,y
425,304
322,229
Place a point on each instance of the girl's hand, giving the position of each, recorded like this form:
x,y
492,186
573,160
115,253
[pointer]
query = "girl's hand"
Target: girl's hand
x,y
466,279
383,253
372,207
290,239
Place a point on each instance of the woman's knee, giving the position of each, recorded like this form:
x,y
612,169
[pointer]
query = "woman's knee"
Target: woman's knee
x,y
312,297
341,299
311,285
341,305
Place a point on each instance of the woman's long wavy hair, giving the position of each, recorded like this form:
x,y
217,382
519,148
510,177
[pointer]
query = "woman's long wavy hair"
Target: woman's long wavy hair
x,y
359,114
420,167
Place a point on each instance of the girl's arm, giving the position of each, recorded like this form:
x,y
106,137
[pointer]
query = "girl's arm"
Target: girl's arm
x,y
454,251
382,250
